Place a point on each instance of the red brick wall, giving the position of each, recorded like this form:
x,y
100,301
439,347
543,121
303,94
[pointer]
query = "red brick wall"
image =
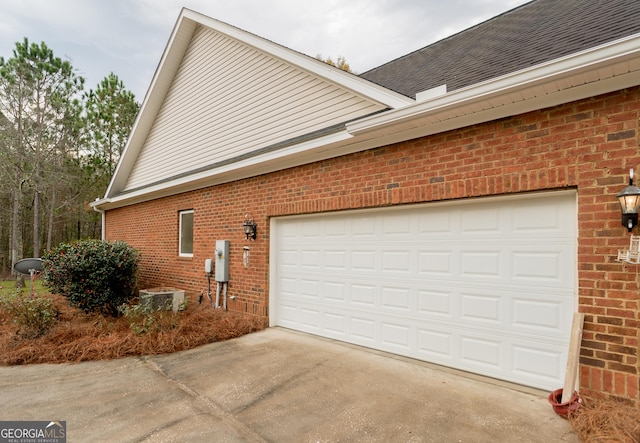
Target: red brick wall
x,y
589,145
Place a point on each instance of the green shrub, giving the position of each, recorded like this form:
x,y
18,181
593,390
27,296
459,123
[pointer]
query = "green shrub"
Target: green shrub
x,y
34,316
95,276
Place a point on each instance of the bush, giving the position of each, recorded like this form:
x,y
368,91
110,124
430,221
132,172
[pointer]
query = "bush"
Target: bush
x,y
34,316
95,276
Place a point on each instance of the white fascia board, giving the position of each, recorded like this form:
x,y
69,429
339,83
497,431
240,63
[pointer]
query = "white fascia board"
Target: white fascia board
x,y
434,124
319,68
499,88
167,67
290,156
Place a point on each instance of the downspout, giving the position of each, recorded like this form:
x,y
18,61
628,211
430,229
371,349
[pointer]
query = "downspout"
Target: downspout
x,y
102,221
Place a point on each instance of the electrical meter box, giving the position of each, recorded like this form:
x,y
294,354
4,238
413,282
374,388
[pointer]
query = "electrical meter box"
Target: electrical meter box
x,y
222,261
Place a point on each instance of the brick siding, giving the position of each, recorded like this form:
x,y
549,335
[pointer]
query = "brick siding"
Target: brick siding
x,y
588,145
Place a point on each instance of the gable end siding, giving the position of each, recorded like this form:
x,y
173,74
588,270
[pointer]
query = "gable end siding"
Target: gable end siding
x,y
227,100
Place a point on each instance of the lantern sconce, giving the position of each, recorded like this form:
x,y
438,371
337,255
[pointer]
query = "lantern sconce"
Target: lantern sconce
x,y
250,227
629,199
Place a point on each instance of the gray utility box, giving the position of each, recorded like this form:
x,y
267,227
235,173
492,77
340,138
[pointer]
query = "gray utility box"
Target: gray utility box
x,y
155,299
222,261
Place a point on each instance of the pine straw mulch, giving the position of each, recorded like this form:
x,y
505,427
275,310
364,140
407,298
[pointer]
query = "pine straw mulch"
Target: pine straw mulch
x,y
80,337
600,421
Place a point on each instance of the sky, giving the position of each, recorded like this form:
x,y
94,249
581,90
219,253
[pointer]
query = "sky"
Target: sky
x,y
127,37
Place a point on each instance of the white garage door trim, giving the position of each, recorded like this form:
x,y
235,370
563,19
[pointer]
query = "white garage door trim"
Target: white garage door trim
x,y
482,285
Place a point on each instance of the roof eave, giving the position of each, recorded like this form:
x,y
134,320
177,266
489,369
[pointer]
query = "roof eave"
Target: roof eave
x,y
286,157
592,72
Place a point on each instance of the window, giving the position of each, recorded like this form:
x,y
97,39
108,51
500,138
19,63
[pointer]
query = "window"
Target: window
x,y
185,246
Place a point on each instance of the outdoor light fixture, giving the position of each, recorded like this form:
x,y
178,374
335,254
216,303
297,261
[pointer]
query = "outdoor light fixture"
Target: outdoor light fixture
x,y
629,199
250,227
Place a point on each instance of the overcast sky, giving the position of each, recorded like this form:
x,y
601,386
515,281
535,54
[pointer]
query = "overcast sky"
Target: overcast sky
x,y
127,37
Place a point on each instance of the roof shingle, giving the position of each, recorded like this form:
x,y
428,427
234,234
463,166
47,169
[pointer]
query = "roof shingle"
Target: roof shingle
x,y
531,34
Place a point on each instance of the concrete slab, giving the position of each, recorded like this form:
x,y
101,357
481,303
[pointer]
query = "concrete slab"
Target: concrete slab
x,y
280,386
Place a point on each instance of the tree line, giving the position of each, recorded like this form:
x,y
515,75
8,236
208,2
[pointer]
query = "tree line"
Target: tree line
x,y
59,146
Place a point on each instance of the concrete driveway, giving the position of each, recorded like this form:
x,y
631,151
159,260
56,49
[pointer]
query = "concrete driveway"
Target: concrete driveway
x,y
278,386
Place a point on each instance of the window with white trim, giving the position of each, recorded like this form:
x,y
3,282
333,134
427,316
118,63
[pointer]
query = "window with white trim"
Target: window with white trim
x,y
185,244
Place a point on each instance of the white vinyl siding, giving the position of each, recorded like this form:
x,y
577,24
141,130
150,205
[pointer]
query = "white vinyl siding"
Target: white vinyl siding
x,y
486,286
229,99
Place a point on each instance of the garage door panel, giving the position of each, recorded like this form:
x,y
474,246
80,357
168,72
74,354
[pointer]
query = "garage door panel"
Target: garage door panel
x,y
481,352
363,260
437,224
551,267
540,316
396,335
362,294
533,265
433,302
334,292
480,264
541,219
398,299
396,227
288,258
363,330
396,261
335,259
362,228
435,345
310,231
485,219
484,308
310,289
310,258
336,229
310,318
434,263
288,286
287,315
335,323
537,363
486,286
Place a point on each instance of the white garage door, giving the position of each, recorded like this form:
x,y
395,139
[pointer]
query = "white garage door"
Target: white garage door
x,y
485,285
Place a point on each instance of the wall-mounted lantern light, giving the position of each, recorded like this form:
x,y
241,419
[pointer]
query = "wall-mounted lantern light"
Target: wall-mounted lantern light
x,y
250,227
629,199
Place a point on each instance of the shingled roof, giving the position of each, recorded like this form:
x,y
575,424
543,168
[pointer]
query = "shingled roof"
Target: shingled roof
x,y
531,34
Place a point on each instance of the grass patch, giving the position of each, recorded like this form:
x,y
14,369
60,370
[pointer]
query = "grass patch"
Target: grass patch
x,y
9,286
